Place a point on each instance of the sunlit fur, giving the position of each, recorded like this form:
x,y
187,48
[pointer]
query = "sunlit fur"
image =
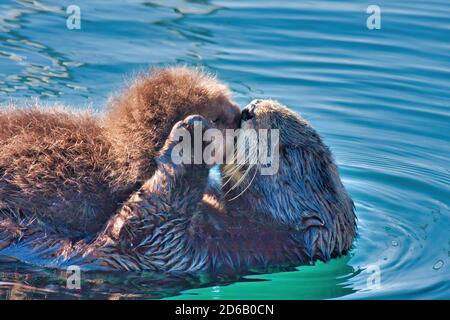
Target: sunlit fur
x,y
140,119
297,216
71,171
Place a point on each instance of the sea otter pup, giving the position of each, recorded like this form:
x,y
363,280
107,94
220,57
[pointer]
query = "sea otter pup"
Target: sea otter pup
x,y
72,171
300,214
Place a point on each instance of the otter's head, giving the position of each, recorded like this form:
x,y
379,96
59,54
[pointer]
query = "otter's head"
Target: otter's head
x,y
306,190
141,117
294,131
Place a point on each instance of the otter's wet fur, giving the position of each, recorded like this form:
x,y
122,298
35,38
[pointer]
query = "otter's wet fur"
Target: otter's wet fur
x,y
306,197
296,216
71,171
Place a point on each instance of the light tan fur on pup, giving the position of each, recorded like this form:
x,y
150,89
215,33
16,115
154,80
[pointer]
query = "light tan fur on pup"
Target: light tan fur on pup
x,y
71,171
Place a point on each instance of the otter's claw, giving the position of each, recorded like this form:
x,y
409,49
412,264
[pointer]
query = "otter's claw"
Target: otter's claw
x,y
182,140
191,122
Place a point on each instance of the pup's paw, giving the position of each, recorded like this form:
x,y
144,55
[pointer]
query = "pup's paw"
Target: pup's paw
x,y
186,144
192,123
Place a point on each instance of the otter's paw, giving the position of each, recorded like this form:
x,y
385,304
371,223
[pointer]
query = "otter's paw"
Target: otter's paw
x,y
186,144
193,123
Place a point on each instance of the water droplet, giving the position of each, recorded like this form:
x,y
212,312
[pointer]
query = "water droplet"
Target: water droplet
x,y
216,289
438,265
394,243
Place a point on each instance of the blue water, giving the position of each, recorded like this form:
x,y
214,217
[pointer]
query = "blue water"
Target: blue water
x,y
380,98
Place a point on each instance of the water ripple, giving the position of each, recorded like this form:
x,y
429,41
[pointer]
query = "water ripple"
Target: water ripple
x,y
379,98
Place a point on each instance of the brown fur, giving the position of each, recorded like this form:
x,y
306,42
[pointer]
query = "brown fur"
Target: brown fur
x,y
140,120
179,221
73,170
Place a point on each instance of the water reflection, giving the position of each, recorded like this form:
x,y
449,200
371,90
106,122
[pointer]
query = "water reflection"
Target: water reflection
x,y
24,282
21,282
35,69
204,45
186,7
321,281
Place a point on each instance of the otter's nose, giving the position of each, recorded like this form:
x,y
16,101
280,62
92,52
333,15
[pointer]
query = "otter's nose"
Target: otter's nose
x,y
247,115
255,102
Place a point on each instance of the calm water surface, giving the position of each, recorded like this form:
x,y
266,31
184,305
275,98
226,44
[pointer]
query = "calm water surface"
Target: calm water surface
x,y
380,99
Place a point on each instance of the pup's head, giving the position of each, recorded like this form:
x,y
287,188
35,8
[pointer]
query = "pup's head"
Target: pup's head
x,y
141,118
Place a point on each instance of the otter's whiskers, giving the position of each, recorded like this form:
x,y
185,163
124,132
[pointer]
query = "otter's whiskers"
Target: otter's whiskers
x,y
232,171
